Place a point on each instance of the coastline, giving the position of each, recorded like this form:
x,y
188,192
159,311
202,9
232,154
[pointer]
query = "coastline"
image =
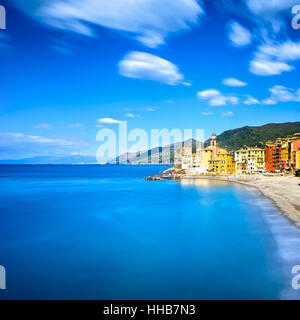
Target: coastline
x,y
284,192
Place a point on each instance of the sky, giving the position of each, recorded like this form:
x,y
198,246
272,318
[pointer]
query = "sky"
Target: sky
x,y
70,68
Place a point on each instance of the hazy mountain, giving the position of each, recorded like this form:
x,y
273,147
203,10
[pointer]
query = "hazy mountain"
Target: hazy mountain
x,y
75,159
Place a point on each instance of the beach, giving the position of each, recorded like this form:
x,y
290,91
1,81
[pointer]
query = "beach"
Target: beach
x,y
284,191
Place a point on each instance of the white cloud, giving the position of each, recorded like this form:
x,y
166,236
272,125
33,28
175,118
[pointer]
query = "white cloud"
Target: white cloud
x,y
239,35
206,113
232,99
20,137
268,102
217,101
209,93
233,82
149,21
187,83
283,94
270,6
43,126
250,100
284,51
149,109
271,12
268,68
108,121
216,98
227,114
141,65
272,58
130,115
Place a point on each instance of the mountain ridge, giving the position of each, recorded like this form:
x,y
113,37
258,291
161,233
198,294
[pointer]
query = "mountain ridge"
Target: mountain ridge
x,y
232,140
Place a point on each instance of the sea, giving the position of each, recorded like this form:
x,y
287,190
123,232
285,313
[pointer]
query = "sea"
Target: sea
x,y
103,232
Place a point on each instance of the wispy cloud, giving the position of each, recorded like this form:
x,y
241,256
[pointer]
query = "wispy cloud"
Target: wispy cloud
x,y
206,113
233,82
141,65
270,14
43,126
75,125
269,102
187,83
17,145
209,93
150,109
250,100
20,137
170,101
108,121
264,67
239,35
149,21
274,58
227,114
130,115
216,98
281,93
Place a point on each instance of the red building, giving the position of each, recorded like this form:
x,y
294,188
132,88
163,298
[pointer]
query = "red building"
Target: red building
x,y
273,157
270,156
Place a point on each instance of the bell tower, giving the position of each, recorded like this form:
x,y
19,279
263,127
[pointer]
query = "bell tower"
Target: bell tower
x,y
214,141
214,145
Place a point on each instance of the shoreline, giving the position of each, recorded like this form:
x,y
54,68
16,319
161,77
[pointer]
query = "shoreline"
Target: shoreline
x,y
282,191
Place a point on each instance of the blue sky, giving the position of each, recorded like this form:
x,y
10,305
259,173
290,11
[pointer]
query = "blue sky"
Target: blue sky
x,y
67,64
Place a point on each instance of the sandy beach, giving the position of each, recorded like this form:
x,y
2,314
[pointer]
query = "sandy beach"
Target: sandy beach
x,y
284,191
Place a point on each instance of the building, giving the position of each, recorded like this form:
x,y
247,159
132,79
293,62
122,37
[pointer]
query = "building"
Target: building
x,y
281,155
211,160
250,160
219,161
295,152
186,158
273,157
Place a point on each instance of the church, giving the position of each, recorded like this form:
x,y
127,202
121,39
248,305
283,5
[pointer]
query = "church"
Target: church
x,y
210,160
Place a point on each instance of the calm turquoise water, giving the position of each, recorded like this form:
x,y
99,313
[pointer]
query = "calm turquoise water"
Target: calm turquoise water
x,y
102,232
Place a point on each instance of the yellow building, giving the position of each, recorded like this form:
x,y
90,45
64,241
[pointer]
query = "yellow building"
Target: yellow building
x,y
258,157
250,160
219,160
296,159
212,160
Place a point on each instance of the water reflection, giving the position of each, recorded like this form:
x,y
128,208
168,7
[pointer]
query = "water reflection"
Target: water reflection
x,y
202,182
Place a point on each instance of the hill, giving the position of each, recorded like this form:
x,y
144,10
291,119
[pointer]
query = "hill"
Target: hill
x,y
256,136
231,140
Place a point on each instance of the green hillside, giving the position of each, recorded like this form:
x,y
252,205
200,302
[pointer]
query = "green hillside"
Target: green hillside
x,y
256,136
